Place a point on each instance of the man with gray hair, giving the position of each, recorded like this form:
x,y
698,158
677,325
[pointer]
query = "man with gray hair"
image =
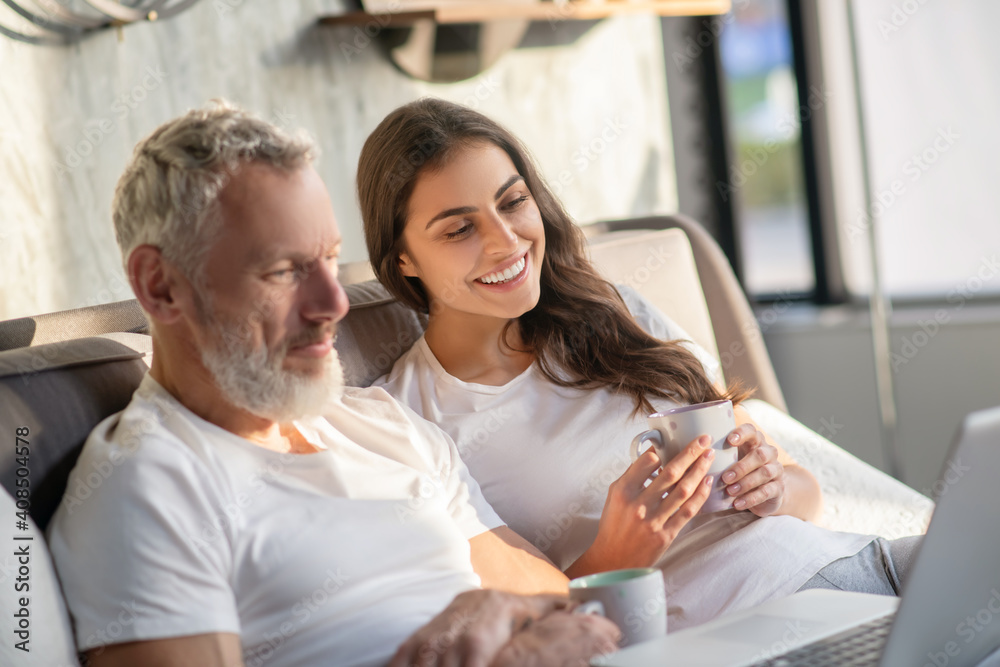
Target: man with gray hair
x,y
253,517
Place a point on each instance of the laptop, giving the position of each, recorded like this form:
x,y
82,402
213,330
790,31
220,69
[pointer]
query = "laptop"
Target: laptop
x,y
947,616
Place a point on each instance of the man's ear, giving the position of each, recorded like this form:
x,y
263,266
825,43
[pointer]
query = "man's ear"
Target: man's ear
x,y
156,283
406,266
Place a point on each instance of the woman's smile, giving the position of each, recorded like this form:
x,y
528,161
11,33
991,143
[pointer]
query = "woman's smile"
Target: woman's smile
x,y
510,274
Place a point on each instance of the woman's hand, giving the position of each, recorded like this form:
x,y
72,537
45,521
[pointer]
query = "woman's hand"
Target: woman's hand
x,y
757,479
638,523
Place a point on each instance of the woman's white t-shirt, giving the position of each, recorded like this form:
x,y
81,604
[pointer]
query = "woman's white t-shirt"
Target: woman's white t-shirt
x,y
544,456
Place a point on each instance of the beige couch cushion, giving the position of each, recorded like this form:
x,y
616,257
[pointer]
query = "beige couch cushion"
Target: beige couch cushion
x,y
660,266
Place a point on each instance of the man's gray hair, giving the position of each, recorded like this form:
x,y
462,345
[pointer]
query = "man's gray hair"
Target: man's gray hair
x,y
168,196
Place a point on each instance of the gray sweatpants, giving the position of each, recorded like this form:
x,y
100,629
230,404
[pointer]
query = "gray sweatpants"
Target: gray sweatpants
x,y
879,568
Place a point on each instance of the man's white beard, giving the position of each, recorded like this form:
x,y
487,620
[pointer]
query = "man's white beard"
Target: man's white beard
x,y
257,382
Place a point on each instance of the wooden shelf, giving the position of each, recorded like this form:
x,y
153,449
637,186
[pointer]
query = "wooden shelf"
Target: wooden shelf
x,y
479,12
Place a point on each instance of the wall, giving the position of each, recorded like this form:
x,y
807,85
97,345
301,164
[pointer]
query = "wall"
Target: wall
x,y
593,111
945,364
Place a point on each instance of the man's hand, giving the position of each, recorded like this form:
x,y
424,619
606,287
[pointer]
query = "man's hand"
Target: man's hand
x,y
560,639
474,628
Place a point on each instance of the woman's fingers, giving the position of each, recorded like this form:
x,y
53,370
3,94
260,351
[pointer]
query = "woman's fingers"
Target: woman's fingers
x,y
756,481
756,478
674,469
638,472
763,500
754,453
691,490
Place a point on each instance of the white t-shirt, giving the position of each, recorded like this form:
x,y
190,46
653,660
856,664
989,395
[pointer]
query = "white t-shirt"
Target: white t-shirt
x,y
544,456
172,526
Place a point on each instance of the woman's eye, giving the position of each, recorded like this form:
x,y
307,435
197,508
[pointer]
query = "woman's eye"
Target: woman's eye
x,y
515,203
462,231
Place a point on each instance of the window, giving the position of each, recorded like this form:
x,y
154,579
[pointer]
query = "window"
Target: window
x,y
765,180
931,104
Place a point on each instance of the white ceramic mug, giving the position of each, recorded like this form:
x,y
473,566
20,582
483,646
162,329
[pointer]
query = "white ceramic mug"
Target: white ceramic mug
x,y
634,600
672,430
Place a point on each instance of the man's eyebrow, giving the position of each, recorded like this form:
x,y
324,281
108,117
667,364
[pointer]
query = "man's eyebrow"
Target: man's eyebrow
x,y
269,256
462,210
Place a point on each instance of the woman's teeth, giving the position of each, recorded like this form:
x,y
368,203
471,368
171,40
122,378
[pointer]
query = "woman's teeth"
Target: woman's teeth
x,y
507,274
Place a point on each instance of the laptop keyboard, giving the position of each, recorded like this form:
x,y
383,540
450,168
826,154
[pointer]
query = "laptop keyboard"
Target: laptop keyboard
x,y
856,647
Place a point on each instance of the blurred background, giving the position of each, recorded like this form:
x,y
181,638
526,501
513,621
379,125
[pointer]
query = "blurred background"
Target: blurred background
x,y
808,136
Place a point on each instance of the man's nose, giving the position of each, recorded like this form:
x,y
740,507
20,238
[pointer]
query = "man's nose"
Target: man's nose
x,y
324,298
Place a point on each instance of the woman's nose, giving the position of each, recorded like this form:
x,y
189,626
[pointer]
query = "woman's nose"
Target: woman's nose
x,y
501,237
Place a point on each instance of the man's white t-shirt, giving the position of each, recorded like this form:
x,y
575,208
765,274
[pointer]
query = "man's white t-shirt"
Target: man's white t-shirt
x,y
172,526
544,456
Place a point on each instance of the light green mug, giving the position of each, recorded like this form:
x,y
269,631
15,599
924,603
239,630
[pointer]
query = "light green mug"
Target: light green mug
x,y
633,599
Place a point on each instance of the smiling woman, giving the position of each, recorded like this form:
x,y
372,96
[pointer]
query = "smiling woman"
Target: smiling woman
x,y
522,329
479,259
433,169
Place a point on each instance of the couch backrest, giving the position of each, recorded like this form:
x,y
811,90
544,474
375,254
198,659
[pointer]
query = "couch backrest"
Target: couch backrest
x,y
58,393
660,265
121,316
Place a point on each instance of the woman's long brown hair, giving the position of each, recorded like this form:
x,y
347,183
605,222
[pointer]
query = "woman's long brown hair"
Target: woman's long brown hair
x,y
580,331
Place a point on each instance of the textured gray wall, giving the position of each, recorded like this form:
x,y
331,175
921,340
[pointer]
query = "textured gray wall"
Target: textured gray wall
x,y
593,111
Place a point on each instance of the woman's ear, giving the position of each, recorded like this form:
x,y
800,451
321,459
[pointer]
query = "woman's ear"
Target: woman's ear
x,y
406,266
